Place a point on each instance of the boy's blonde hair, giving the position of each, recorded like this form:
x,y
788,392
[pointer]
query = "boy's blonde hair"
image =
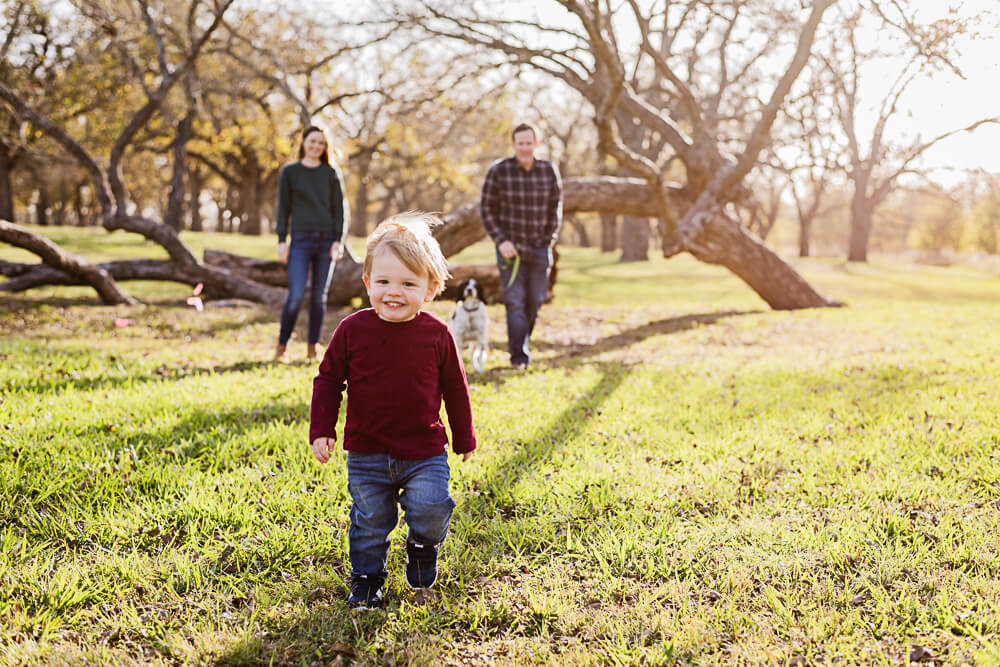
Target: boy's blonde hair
x,y
408,236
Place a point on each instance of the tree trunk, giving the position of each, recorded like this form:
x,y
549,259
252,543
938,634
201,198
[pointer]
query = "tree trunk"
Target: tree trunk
x,y
249,193
359,212
635,239
56,257
79,210
6,187
174,215
861,228
805,229
609,232
229,212
42,207
346,284
717,241
218,282
583,238
197,182
726,243
59,214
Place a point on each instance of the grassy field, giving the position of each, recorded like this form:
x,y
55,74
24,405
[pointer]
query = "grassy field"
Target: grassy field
x,y
683,476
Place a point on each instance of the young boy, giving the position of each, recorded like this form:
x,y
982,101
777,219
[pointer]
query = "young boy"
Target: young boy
x,y
397,362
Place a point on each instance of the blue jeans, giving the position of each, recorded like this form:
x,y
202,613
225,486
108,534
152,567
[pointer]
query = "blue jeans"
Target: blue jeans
x,y
308,249
376,483
524,297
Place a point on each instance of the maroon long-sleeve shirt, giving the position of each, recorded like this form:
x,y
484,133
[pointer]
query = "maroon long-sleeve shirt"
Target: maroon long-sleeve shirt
x,y
396,374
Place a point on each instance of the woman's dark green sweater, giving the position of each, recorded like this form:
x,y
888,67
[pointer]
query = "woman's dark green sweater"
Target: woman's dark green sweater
x,y
312,198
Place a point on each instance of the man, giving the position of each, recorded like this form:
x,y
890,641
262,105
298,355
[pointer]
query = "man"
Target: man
x,y
521,208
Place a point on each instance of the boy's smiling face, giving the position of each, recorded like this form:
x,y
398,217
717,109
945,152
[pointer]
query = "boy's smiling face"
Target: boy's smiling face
x,y
396,292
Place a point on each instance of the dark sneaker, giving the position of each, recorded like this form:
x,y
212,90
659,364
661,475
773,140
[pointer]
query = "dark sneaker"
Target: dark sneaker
x,y
421,564
366,591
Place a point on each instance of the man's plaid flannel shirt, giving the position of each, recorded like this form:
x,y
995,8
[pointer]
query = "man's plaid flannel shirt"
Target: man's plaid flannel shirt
x,y
520,206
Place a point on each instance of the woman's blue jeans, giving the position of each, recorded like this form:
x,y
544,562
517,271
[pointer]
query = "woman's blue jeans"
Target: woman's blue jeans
x,y
377,482
308,249
524,297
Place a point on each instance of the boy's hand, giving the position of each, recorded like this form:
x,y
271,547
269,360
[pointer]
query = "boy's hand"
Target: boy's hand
x,y
322,447
466,456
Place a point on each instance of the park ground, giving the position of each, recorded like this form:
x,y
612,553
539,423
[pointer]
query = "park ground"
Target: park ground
x,y
683,476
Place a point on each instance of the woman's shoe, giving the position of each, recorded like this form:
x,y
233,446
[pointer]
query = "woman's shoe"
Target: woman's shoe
x,y
279,353
312,351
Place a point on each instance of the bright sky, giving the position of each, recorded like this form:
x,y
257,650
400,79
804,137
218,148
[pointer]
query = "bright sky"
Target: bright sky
x,y
947,102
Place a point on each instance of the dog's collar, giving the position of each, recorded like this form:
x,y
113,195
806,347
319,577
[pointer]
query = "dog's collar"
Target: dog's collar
x,y
471,310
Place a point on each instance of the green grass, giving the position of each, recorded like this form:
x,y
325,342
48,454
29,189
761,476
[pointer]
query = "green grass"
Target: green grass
x,y
683,476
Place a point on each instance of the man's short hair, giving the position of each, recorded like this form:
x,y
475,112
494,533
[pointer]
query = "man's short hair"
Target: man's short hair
x,y
408,235
521,128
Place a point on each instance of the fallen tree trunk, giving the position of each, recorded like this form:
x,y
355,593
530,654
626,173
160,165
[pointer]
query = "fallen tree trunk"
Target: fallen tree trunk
x,y
219,282
346,284
713,239
73,265
730,245
597,194
344,287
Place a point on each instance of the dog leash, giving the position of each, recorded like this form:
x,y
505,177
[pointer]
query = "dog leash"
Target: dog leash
x,y
513,272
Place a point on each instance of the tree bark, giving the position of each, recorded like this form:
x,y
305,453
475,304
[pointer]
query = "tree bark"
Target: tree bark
x,y
197,182
74,265
264,271
174,215
42,207
861,228
805,231
635,239
59,214
359,212
346,283
218,282
583,238
6,187
726,243
249,196
609,232
720,241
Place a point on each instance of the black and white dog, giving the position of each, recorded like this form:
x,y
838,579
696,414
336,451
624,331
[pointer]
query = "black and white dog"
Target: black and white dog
x,y
470,323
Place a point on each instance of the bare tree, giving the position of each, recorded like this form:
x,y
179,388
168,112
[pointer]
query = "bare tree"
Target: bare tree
x,y
698,50
876,162
808,155
109,186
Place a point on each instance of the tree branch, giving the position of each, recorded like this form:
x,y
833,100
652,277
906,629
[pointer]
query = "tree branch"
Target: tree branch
x,y
57,258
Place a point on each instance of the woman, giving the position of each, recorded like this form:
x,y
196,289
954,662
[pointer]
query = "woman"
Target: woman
x,y
311,206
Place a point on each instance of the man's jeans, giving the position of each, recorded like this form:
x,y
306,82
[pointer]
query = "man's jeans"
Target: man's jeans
x,y
376,483
308,249
524,297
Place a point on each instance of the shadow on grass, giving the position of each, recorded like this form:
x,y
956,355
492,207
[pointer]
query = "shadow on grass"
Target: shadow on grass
x,y
207,439
43,384
336,633
575,352
571,354
569,424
